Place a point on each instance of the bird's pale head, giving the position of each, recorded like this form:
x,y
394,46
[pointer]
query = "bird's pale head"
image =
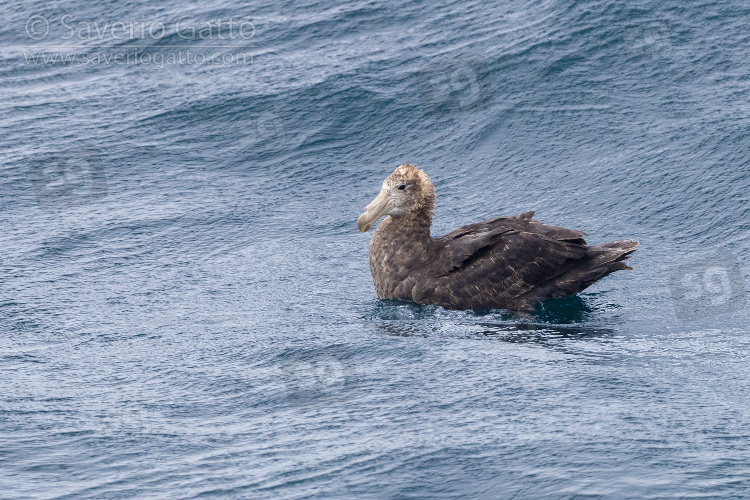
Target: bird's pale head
x,y
407,191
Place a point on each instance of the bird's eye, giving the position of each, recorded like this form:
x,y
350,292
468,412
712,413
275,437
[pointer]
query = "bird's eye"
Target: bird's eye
x,y
402,187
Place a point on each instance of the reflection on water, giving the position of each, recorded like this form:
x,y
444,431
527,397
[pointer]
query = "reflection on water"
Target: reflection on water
x,y
573,309
569,317
541,333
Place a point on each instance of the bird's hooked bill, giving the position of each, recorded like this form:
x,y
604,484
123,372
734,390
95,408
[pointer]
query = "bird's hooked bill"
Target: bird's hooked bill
x,y
374,211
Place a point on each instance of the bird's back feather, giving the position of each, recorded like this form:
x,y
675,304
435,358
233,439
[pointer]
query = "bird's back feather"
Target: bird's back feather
x,y
512,263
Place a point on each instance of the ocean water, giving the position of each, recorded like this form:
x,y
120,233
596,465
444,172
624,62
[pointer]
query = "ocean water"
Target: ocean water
x,y
186,306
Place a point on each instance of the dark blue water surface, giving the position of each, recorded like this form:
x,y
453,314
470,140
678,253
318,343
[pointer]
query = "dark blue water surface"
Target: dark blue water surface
x,y
186,306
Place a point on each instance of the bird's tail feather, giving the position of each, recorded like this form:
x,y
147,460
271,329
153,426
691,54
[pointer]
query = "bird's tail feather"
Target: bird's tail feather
x,y
612,254
600,261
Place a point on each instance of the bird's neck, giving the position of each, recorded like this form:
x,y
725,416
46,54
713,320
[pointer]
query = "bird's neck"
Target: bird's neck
x,y
413,226
408,235
399,245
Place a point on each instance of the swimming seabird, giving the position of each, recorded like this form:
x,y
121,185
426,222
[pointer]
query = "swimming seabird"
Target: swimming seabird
x,y
504,263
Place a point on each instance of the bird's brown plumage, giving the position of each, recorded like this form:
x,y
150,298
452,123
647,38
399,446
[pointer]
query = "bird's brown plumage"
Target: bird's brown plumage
x,y
507,262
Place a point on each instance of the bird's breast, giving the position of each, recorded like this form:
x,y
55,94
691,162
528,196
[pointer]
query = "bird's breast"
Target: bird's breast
x,y
393,263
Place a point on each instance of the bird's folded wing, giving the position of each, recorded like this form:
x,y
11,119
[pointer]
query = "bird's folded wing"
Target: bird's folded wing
x,y
458,249
504,257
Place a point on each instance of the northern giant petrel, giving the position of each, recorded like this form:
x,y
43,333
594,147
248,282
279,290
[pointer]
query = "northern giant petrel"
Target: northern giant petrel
x,y
506,263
